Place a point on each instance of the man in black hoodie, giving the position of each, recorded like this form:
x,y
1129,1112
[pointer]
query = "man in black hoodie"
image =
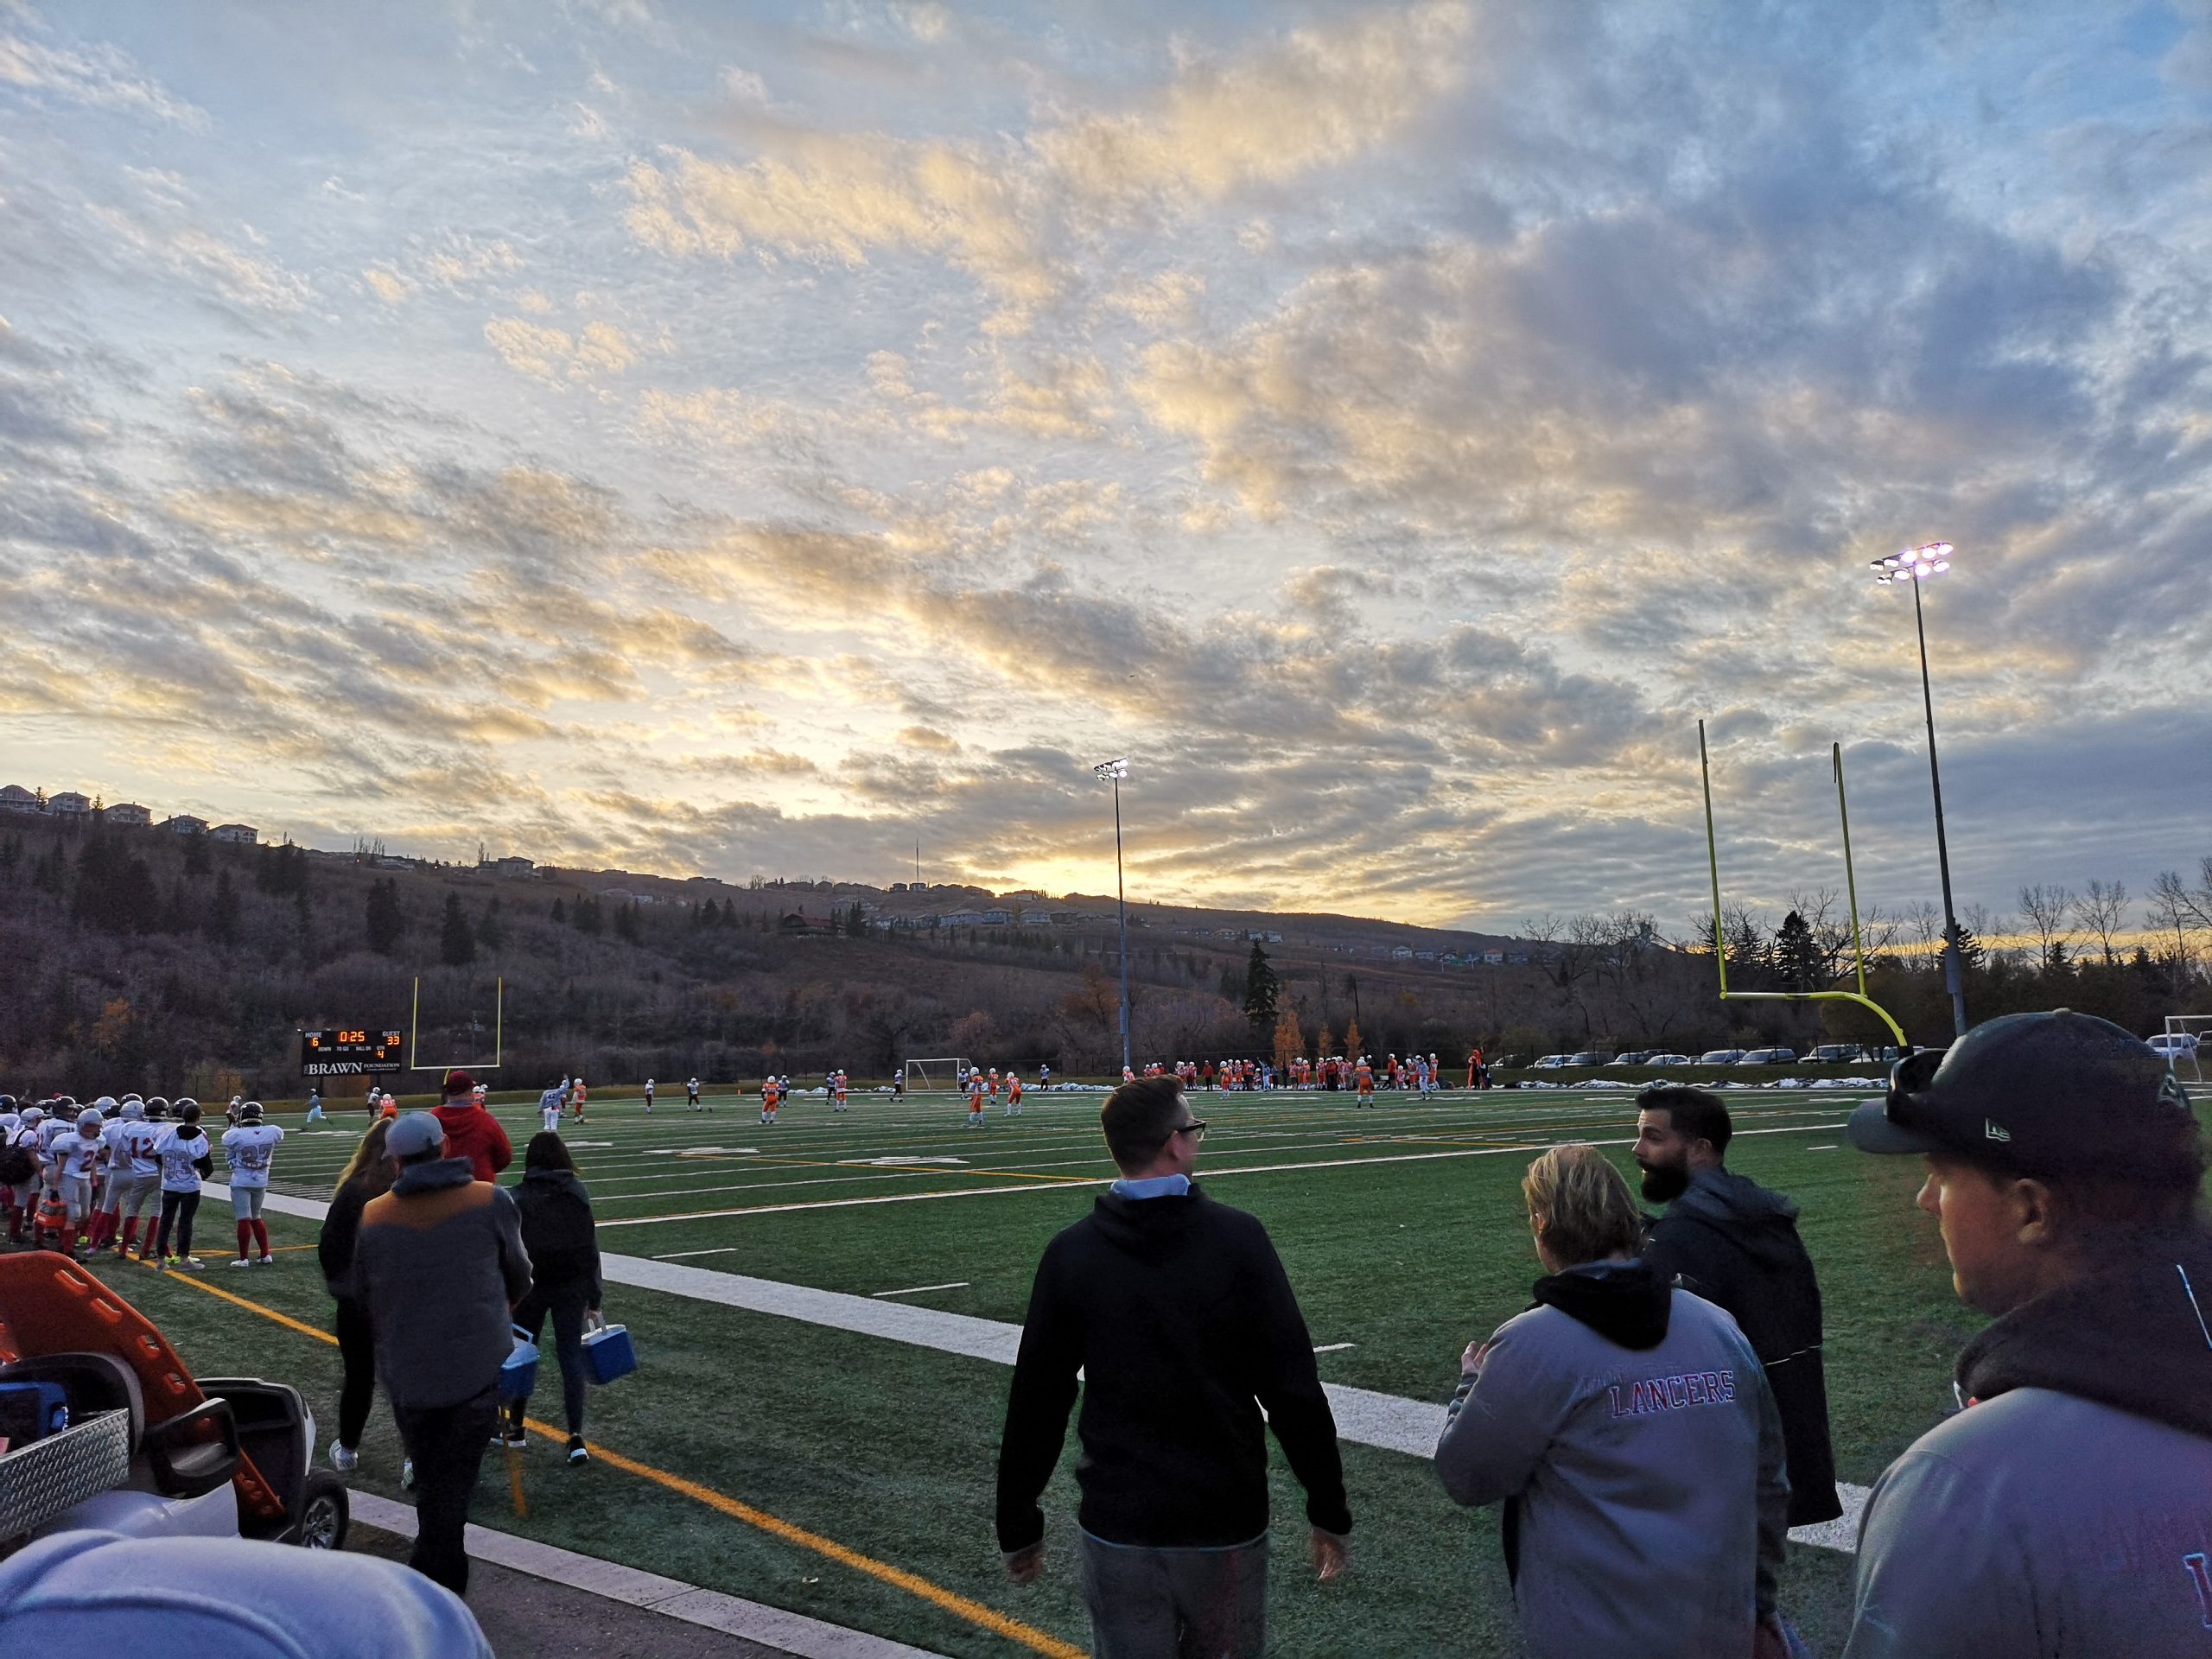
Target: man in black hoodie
x,y
2066,1511
1735,1243
1177,1313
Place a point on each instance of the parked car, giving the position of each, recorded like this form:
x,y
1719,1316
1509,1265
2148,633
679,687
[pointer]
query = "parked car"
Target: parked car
x,y
1591,1057
1836,1054
2171,1046
1669,1060
1720,1057
1635,1057
1768,1057
1549,1062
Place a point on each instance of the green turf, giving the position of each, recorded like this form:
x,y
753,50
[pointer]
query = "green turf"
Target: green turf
x,y
890,1449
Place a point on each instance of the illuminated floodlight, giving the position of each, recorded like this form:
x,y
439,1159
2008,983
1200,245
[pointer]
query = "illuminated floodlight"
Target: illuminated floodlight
x,y
1108,770
1914,564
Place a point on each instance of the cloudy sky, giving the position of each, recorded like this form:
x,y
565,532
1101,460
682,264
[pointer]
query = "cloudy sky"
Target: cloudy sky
x,y
752,438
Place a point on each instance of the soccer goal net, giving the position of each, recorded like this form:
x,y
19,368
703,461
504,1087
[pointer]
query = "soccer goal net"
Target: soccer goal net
x,y
2188,1035
936,1077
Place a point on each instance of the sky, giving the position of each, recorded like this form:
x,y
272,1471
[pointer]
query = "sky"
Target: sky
x,y
759,439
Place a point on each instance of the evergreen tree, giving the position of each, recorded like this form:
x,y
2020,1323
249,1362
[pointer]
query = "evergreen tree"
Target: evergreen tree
x,y
456,940
586,915
1260,987
729,913
560,913
385,921
1796,955
706,915
491,931
626,921
137,900
223,910
196,861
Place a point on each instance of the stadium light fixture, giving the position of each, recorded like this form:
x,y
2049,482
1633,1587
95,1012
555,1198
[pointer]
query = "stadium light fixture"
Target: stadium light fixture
x,y
1915,565
1112,772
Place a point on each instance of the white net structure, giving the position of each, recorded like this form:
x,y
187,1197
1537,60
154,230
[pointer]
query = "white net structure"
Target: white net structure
x,y
2187,1036
945,1077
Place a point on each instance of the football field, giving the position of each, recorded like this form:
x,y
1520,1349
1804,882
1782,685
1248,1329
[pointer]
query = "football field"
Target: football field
x,y
825,1308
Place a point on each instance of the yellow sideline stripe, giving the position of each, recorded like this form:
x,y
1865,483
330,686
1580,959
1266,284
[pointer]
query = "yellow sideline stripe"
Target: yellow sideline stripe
x,y
937,1595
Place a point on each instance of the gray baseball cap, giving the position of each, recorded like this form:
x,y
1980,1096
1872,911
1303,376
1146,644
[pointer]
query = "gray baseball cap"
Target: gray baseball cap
x,y
2049,1094
413,1134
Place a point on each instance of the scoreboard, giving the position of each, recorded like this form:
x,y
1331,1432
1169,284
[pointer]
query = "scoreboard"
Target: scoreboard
x,y
349,1053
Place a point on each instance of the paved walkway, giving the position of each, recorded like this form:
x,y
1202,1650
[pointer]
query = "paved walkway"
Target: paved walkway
x,y
537,1602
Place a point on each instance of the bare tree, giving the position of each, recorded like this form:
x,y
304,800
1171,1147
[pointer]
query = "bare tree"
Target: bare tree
x,y
2172,906
2045,911
2101,911
1924,922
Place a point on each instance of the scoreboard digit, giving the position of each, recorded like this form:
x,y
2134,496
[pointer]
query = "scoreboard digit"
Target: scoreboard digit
x,y
350,1052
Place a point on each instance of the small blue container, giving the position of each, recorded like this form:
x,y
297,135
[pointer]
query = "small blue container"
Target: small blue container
x,y
518,1375
608,1353
31,1411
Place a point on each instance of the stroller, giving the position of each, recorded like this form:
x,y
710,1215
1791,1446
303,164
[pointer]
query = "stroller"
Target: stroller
x,y
148,1451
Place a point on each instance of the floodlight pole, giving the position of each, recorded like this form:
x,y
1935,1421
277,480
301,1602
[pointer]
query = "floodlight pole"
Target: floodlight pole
x,y
1113,772
1954,965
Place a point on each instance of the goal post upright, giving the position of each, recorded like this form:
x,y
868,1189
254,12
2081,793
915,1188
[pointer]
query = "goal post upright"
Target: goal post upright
x,y
499,1032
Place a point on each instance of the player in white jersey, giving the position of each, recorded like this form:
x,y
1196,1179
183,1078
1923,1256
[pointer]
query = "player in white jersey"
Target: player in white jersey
x,y
22,1197
114,1166
315,1106
649,1096
74,1164
249,1150
692,1092
838,1089
137,1175
549,1111
185,1154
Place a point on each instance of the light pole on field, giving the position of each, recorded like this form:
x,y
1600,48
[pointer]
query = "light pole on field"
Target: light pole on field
x,y
1913,566
1112,772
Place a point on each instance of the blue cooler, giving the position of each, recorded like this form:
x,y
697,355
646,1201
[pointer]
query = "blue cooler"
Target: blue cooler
x,y
31,1411
519,1375
607,1353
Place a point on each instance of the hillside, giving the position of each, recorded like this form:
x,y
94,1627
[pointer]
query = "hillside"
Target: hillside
x,y
142,958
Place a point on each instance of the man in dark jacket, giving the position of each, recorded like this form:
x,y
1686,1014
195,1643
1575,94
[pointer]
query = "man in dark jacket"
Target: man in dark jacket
x,y
1177,1313
472,1132
440,1260
1735,1243
2067,1511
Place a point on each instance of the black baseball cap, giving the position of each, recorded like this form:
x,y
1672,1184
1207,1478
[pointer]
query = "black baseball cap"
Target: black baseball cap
x,y
2048,1094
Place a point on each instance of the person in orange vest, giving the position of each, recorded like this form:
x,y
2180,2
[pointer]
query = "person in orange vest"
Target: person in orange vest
x,y
1364,1072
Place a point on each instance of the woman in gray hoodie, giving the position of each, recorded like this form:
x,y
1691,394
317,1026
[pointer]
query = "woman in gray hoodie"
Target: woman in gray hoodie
x,y
1629,1430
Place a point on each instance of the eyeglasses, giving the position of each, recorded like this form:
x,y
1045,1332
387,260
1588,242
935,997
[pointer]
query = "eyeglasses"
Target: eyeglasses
x,y
1196,1128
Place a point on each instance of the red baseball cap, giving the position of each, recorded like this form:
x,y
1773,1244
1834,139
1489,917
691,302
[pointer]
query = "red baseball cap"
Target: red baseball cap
x,y
459,1083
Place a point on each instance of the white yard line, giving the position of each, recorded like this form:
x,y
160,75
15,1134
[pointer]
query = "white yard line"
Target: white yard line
x,y
786,1632
1335,1347
911,1290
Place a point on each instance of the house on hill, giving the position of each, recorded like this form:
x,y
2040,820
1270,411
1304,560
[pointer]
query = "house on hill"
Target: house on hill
x,y
14,798
239,835
183,823
796,924
511,865
129,813
69,804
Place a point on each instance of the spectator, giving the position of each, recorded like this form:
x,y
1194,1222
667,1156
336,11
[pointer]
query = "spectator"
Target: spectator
x,y
1178,1314
471,1131
2067,1509
367,1175
1626,1426
439,1260
562,1240
1735,1243
75,1592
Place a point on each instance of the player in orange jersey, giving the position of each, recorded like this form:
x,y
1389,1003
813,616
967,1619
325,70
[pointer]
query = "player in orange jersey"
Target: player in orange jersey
x,y
1364,1073
976,1100
576,1100
1013,1094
